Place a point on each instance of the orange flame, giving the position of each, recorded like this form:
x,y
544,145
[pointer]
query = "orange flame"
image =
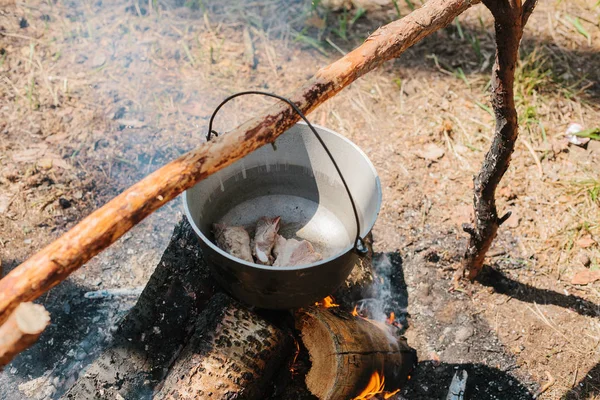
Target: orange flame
x,y
375,386
355,311
327,302
391,318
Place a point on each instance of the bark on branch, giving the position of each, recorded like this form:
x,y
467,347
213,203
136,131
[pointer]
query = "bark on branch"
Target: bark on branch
x,y
96,232
510,17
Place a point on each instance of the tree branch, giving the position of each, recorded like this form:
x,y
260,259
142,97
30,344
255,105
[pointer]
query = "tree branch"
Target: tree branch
x,y
509,17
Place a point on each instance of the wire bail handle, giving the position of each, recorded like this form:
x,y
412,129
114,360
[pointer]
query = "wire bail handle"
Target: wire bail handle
x,y
359,245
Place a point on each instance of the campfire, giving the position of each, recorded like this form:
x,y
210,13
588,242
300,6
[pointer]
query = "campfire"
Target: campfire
x,y
202,343
262,332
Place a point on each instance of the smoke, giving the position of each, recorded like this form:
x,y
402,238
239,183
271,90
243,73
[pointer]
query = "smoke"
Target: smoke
x,y
389,292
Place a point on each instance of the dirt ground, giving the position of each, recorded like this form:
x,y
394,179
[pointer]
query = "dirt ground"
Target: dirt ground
x,y
94,95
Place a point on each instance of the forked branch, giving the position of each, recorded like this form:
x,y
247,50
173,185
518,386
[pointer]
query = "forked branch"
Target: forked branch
x,y
510,17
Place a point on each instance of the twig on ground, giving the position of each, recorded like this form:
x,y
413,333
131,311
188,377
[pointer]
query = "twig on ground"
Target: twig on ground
x,y
546,385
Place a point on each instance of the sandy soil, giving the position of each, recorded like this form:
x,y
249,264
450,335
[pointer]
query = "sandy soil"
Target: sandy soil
x,y
95,95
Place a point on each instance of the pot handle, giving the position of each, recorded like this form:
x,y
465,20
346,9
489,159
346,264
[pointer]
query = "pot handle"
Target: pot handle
x,y
359,244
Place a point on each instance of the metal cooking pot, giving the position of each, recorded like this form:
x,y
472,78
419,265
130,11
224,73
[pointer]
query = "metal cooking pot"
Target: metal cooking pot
x,y
296,180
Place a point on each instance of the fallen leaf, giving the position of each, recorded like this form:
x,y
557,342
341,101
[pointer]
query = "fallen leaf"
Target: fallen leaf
x,y
512,221
315,21
57,138
430,152
585,241
52,160
33,153
5,201
586,276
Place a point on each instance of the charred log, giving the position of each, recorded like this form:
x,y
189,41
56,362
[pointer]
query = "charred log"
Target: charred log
x,y
233,354
156,328
347,351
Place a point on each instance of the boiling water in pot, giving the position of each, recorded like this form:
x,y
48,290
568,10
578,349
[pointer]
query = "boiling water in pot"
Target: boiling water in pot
x,y
308,211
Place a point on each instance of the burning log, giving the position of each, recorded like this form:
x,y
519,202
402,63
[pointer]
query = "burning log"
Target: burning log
x,y
153,333
21,330
54,263
234,353
352,357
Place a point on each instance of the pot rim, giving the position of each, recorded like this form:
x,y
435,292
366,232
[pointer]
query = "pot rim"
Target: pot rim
x,y
350,247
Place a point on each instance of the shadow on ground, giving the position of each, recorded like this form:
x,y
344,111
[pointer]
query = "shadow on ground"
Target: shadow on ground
x,y
491,277
521,291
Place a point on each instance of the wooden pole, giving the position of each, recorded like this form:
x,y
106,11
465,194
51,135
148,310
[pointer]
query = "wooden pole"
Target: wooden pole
x,y
21,330
54,263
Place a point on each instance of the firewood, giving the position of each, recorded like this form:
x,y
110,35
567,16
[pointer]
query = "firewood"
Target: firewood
x,y
347,352
155,329
233,354
21,330
54,263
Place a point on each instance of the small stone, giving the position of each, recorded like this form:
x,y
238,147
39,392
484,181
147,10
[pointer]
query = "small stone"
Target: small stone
x,y
64,203
585,241
98,60
45,163
463,333
583,259
23,23
430,152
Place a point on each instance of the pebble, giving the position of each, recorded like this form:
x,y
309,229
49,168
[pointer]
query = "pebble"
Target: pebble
x,y
583,259
98,60
463,333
